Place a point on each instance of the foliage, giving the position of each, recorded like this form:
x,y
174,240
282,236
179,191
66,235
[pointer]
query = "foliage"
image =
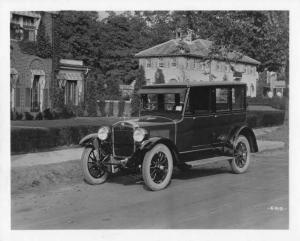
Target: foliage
x,y
140,81
41,47
28,116
265,118
39,116
159,76
47,115
121,107
37,139
91,98
108,45
58,97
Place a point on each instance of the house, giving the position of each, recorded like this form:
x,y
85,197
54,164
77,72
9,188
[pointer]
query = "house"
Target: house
x,y
275,84
32,77
185,59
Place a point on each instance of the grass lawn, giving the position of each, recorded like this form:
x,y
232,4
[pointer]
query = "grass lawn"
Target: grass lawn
x,y
78,121
281,134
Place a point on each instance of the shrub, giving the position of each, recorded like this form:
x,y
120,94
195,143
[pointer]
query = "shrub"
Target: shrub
x,y
265,118
111,108
19,116
275,102
140,81
39,116
28,116
47,115
101,105
37,139
121,107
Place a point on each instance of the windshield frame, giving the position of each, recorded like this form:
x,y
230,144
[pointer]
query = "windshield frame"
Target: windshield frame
x,y
184,90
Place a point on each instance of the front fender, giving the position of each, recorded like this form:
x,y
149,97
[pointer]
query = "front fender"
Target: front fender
x,y
248,133
88,139
148,144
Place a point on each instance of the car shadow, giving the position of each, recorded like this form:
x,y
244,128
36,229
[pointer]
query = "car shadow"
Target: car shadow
x,y
128,178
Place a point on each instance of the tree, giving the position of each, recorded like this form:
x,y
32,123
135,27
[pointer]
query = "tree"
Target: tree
x,y
159,77
140,81
43,46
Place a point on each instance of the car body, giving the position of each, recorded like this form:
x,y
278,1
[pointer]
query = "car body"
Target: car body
x,y
183,125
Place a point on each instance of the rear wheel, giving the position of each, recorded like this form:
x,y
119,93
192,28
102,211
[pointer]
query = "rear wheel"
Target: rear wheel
x,y
157,167
93,170
241,160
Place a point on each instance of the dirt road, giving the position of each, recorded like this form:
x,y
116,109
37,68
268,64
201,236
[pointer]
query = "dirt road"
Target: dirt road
x,y
206,197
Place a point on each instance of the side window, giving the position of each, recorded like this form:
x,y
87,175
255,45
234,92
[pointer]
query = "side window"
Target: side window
x,y
198,102
238,98
222,99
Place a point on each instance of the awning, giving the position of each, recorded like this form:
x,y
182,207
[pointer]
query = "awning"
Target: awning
x,y
37,72
162,91
70,76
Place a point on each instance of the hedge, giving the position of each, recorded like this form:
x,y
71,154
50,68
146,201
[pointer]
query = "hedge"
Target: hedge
x,y
33,139
265,118
24,140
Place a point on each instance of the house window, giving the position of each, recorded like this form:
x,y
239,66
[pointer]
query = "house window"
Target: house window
x,y
217,66
148,63
161,62
70,92
222,99
174,62
238,98
35,94
193,63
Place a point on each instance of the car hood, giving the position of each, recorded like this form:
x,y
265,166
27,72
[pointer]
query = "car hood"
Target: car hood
x,y
148,121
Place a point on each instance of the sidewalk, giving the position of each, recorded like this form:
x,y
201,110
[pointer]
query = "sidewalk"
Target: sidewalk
x,y
60,156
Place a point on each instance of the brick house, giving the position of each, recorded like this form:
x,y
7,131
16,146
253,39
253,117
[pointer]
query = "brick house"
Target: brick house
x,y
185,59
31,77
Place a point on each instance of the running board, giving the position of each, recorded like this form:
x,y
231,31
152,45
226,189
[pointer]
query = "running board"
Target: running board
x,y
208,160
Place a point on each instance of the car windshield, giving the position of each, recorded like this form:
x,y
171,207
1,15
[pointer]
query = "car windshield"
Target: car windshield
x,y
169,102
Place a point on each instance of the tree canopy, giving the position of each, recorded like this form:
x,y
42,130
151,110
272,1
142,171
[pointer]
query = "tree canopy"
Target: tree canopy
x,y
108,45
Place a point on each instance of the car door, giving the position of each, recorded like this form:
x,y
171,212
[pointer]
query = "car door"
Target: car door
x,y
195,129
221,114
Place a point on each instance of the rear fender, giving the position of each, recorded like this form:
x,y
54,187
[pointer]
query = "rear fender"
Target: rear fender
x,y
248,133
148,144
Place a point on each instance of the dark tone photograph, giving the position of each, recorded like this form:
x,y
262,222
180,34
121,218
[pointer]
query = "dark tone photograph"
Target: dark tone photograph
x,y
149,120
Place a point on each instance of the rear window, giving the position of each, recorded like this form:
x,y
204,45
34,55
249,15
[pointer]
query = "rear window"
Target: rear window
x,y
222,99
238,98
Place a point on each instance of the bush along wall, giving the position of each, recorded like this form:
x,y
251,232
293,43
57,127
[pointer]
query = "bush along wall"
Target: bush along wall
x,y
257,119
24,140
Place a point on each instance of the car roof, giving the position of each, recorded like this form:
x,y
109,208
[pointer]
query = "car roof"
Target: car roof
x,y
194,84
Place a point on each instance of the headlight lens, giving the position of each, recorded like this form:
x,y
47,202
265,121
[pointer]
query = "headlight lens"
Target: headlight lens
x,y
103,133
139,134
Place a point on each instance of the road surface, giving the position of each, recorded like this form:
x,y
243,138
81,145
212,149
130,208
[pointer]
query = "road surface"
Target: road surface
x,y
209,197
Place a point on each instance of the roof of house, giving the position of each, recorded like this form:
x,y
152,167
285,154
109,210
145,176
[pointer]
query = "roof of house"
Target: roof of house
x,y
197,48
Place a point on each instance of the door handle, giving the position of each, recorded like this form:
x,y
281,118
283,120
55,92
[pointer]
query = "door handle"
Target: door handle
x,y
215,116
194,118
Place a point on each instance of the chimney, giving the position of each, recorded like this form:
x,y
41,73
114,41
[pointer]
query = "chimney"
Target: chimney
x,y
189,36
179,33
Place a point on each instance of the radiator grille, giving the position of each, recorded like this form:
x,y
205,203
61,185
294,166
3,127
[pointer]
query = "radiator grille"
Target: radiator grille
x,y
123,142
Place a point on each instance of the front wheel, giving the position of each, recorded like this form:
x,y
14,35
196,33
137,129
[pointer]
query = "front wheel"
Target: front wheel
x,y
241,160
157,167
94,172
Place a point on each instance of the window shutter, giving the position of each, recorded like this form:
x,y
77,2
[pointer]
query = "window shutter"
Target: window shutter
x,y
27,97
18,97
45,98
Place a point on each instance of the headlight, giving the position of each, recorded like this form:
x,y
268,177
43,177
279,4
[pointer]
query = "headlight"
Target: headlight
x,y
103,133
139,134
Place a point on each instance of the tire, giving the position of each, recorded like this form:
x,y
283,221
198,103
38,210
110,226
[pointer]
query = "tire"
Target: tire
x,y
241,160
157,167
93,173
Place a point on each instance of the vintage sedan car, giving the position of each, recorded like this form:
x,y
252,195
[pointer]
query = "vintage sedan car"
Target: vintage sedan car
x,y
183,125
